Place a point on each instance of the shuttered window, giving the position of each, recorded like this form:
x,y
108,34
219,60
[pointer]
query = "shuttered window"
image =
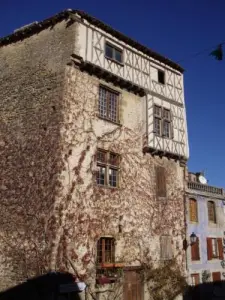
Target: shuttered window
x,y
214,248
160,182
211,212
195,253
166,250
216,276
195,279
193,210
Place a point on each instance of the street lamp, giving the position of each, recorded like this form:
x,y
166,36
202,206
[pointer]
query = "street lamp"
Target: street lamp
x,y
193,240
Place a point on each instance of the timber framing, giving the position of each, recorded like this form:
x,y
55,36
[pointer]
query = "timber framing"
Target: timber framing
x,y
107,76
69,15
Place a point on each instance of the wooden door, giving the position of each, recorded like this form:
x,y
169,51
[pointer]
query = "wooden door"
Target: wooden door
x,y
132,285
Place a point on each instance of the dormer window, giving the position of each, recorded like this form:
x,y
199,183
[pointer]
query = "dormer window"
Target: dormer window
x,y
113,53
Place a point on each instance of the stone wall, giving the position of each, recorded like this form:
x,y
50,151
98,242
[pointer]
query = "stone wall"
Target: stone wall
x,y
91,211
31,87
52,211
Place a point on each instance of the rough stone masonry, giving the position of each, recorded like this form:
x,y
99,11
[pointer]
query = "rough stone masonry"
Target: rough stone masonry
x,y
51,210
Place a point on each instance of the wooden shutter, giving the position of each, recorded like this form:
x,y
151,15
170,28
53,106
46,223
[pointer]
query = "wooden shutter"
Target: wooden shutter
x,y
195,255
209,248
160,182
216,276
193,210
166,247
211,212
220,248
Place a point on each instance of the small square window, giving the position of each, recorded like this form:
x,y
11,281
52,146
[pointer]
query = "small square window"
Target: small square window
x,y
161,76
113,53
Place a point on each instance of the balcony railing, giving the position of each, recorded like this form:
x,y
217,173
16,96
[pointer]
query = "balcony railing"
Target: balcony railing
x,y
205,188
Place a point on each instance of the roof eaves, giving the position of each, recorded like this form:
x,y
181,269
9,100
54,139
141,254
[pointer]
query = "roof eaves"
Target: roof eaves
x,y
39,26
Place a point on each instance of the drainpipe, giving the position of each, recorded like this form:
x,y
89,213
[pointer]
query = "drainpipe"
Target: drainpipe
x,y
146,116
185,218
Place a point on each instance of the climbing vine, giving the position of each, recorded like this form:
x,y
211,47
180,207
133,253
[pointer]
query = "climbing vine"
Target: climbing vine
x,y
58,212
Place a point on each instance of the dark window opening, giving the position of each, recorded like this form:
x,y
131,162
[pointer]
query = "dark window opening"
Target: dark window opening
x,y
161,76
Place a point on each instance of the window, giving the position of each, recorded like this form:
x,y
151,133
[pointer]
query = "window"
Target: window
x,y
113,53
195,279
162,122
216,276
107,168
193,210
108,104
157,119
160,182
211,212
166,247
214,248
195,253
106,250
166,123
161,76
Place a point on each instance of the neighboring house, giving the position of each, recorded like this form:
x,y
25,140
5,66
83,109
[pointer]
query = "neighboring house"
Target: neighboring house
x,y
206,219
94,149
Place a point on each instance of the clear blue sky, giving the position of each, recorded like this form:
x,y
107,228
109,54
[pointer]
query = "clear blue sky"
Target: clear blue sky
x,y
176,29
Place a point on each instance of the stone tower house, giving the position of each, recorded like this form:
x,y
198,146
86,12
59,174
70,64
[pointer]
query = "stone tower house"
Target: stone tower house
x,y
93,146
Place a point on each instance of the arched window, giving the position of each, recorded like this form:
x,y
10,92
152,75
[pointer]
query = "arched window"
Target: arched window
x,y
193,210
211,212
106,250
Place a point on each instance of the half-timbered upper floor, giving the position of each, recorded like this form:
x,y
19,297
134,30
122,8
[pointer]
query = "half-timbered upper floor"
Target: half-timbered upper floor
x,y
115,57
158,80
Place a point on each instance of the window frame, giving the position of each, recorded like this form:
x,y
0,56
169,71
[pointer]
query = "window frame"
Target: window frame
x,y
210,221
219,248
196,210
108,165
195,276
114,49
101,250
162,119
215,243
109,92
167,120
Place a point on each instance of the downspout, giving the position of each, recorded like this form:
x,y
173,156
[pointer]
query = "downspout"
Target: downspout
x,y
185,219
146,117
